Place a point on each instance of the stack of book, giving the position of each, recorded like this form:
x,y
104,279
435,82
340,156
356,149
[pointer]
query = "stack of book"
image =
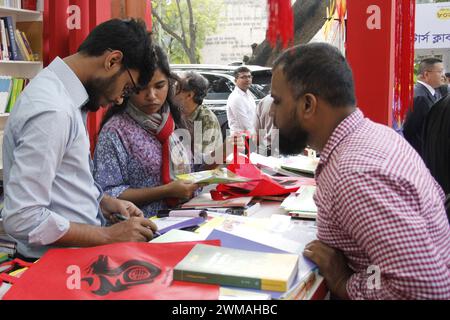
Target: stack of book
x,y
261,236
10,89
238,268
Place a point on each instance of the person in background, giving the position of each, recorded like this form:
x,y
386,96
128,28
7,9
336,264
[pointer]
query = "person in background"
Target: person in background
x,y
266,132
436,143
426,94
382,228
444,88
207,144
139,151
51,198
241,105
203,126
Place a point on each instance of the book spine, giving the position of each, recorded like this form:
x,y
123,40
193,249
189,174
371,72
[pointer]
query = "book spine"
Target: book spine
x,y
27,45
5,50
9,25
23,50
224,280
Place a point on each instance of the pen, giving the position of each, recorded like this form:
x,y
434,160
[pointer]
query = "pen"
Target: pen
x,y
121,217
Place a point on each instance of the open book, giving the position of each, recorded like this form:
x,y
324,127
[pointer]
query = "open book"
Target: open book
x,y
221,175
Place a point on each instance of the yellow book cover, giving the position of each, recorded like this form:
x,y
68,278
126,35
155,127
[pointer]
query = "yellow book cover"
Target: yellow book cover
x,y
238,268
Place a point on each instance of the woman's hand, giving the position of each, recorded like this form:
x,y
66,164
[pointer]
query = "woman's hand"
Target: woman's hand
x,y
182,189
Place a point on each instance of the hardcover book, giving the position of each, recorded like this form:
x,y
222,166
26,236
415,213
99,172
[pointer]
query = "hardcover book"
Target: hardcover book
x,y
238,268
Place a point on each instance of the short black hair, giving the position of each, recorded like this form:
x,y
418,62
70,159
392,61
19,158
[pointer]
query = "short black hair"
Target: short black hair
x,y
129,36
240,70
427,63
198,84
319,69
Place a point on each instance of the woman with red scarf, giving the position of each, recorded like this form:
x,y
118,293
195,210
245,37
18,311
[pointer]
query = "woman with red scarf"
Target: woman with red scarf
x,y
142,146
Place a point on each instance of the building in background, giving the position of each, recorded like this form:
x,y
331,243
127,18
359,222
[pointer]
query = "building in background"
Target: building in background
x,y
242,24
433,32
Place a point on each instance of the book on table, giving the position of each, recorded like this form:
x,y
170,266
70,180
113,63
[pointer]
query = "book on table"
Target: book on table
x,y
301,204
204,200
238,268
220,175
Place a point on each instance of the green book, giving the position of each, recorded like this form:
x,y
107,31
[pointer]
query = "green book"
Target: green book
x,y
17,88
220,175
238,268
3,257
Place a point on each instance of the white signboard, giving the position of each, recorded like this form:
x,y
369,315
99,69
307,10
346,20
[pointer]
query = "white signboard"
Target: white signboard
x,y
432,26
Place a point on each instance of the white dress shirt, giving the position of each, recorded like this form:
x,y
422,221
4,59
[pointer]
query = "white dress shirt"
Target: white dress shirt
x,y
47,166
241,110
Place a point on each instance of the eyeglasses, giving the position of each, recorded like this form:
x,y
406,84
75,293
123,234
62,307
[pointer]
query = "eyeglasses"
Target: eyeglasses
x,y
128,90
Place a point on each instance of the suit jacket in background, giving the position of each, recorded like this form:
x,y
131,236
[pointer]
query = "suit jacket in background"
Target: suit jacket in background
x,y
413,126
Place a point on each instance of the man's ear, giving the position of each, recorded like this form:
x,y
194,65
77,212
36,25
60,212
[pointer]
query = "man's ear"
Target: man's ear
x,y
113,60
310,105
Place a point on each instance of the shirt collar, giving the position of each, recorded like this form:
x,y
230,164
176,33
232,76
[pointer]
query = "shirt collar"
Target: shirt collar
x,y
195,114
426,85
240,91
346,127
73,85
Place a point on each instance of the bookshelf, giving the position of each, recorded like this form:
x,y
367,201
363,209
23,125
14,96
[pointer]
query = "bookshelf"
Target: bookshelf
x,y
31,23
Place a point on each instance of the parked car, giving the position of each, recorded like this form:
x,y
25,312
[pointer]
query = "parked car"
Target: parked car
x,y
221,84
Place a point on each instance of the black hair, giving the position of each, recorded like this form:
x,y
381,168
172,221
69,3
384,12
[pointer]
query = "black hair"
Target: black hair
x,y
447,74
427,64
162,64
240,70
319,69
128,36
195,82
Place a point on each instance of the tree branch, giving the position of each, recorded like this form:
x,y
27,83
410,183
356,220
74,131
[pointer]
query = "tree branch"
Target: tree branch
x,y
166,27
183,32
192,26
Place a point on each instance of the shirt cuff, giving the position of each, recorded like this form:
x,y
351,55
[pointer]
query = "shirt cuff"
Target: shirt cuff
x,y
53,228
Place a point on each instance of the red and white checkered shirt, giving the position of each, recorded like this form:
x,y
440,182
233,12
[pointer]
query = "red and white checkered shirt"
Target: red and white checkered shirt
x,y
379,205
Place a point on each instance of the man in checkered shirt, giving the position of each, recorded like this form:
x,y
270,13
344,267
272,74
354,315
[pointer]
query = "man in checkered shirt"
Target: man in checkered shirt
x,y
382,228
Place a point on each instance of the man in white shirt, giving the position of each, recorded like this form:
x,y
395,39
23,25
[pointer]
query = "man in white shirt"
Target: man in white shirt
x,y
241,105
51,198
267,133
431,71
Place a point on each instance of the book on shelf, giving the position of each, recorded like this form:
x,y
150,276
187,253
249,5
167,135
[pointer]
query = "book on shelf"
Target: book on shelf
x,y
220,175
4,43
238,268
5,92
10,34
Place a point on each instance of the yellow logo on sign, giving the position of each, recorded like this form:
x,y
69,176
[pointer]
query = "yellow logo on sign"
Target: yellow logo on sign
x,y
444,14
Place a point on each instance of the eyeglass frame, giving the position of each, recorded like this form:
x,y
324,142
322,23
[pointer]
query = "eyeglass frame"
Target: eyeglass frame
x,y
127,91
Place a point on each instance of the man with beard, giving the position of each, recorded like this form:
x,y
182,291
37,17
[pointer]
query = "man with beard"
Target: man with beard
x,y
382,228
51,199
